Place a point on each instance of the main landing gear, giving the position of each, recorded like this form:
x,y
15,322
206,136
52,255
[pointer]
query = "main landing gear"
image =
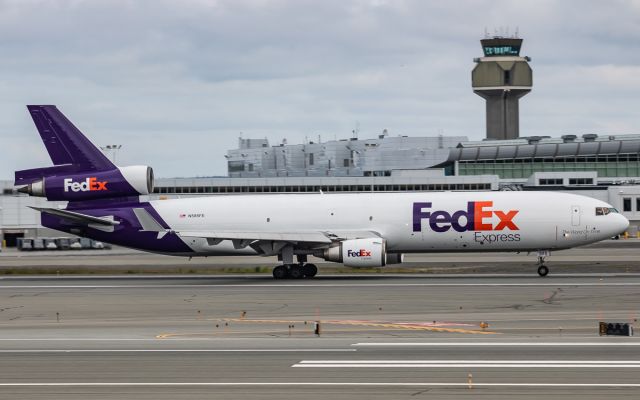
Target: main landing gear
x,y
542,269
295,271
291,270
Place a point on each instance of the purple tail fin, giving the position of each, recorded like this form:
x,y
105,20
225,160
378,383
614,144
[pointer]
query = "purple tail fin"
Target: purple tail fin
x,y
65,143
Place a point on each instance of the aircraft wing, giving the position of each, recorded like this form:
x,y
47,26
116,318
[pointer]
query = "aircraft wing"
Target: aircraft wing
x,y
264,242
296,236
270,243
315,237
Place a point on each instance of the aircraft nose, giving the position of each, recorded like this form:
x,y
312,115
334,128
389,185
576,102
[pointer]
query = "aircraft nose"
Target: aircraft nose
x,y
622,224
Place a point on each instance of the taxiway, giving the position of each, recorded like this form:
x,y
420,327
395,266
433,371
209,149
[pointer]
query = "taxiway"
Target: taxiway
x,y
247,336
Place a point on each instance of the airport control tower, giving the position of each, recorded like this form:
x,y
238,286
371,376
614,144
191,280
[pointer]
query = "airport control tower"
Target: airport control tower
x,y
501,77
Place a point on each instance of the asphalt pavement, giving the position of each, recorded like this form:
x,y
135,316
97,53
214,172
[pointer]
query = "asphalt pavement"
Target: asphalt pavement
x,y
380,336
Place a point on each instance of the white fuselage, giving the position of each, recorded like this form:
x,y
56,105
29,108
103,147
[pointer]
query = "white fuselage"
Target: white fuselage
x,y
495,221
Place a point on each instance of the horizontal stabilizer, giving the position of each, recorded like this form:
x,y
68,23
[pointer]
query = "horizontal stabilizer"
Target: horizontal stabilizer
x,y
28,176
78,217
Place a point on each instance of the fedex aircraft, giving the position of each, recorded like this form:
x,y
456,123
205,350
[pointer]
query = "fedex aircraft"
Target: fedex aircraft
x,y
357,230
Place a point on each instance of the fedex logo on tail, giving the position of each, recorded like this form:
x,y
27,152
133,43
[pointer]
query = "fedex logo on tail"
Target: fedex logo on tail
x,y
477,217
88,185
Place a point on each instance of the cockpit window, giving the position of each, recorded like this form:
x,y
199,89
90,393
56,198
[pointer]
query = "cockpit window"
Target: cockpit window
x,y
605,210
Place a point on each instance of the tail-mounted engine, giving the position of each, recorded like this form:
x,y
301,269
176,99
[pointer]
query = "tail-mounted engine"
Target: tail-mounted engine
x,y
80,170
118,182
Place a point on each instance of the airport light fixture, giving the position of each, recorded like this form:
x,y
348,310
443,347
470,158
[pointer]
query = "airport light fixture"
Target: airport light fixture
x,y
113,149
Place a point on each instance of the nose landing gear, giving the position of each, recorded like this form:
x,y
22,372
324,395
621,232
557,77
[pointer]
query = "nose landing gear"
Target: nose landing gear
x,y
542,269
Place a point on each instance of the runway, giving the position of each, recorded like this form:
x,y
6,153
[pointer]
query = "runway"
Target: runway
x,y
613,256
381,336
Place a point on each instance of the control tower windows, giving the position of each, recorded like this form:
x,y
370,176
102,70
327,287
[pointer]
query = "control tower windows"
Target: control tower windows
x,y
493,51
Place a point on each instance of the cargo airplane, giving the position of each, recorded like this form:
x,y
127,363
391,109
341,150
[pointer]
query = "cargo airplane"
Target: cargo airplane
x,y
110,203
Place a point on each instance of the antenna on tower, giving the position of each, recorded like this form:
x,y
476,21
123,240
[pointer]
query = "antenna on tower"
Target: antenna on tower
x,y
515,36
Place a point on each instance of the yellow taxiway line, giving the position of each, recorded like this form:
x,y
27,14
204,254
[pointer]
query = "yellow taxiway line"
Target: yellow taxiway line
x,y
373,324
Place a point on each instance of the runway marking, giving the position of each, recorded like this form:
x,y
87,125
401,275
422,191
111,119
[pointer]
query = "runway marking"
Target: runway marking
x,y
179,351
56,339
423,326
275,285
470,362
499,344
465,364
344,384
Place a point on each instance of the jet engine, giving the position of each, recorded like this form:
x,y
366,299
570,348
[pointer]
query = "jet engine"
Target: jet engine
x,y
120,182
371,252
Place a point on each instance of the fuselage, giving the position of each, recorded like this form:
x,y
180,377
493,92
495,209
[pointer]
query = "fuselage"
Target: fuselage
x,y
408,222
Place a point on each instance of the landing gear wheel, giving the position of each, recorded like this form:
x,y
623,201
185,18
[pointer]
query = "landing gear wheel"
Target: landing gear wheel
x,y
543,270
280,272
309,270
296,272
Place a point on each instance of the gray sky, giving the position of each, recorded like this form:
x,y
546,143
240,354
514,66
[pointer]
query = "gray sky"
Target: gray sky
x,y
175,82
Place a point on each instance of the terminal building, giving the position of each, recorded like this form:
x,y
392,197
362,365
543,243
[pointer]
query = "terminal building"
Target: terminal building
x,y
345,157
613,159
606,167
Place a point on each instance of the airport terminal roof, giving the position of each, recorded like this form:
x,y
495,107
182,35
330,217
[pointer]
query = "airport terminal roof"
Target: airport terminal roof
x,y
536,146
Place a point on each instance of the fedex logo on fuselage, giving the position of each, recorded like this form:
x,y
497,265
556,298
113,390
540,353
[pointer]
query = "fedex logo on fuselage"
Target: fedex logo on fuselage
x,y
477,217
359,253
88,185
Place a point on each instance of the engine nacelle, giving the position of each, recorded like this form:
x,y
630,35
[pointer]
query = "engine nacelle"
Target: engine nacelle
x,y
358,253
120,182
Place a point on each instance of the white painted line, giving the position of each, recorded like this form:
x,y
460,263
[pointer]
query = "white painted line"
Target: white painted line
x,y
179,351
470,362
500,344
253,276
76,340
250,285
466,366
346,384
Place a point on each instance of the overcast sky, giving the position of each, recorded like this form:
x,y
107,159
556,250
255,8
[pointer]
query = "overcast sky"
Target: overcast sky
x,y
175,82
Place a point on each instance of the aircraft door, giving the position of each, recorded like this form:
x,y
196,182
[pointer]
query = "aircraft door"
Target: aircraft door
x,y
575,215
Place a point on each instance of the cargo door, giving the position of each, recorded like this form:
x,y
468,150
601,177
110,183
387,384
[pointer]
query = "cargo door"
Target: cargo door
x,y
575,215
